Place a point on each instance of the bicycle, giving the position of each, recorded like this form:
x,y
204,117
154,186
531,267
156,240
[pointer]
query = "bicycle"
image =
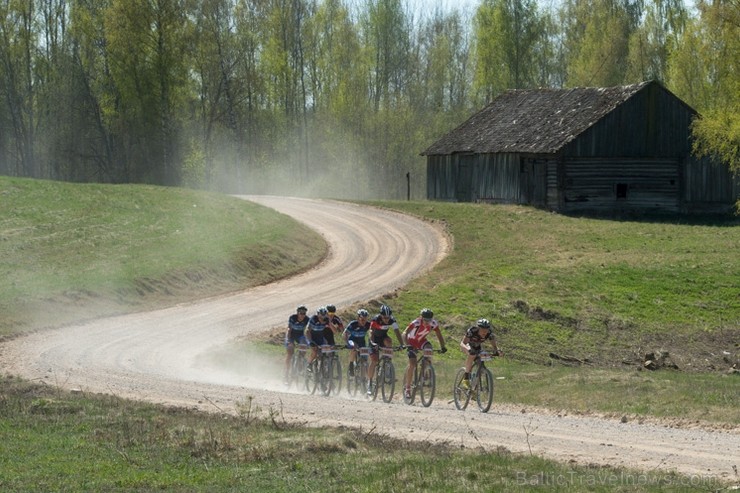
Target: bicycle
x,y
297,365
358,382
423,380
481,384
325,371
384,378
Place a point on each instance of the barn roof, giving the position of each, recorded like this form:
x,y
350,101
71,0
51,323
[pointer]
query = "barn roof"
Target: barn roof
x,y
538,121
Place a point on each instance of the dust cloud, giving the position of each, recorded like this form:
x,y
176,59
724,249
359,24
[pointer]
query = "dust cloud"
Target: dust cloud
x,y
239,363
345,171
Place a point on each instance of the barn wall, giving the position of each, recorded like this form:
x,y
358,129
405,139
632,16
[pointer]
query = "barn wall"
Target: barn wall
x,y
441,177
708,186
553,177
604,185
497,179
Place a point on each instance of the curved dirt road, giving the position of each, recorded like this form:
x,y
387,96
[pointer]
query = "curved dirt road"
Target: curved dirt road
x,y
186,355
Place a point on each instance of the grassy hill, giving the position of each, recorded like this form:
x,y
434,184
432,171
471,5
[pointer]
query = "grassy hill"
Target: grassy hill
x,y
70,252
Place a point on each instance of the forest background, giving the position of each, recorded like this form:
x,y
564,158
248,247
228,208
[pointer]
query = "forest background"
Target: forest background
x,y
331,98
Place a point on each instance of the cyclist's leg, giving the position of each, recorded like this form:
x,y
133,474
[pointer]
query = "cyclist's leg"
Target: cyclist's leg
x,y
353,354
316,341
374,354
471,358
474,350
408,377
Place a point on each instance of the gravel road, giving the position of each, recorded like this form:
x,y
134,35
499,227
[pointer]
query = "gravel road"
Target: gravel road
x,y
184,355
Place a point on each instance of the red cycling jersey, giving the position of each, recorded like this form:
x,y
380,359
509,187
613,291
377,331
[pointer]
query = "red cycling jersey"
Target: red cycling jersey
x,y
418,330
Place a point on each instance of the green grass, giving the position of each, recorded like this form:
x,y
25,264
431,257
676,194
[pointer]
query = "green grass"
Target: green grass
x,y
57,441
72,251
637,395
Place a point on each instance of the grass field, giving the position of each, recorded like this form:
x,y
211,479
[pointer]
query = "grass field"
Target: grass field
x,y
577,303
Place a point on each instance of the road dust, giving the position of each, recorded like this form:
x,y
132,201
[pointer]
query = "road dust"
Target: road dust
x,y
240,364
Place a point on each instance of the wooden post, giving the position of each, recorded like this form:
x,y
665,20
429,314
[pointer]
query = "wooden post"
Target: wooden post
x,y
408,185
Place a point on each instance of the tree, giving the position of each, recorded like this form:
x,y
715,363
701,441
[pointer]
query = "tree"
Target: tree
x,y
17,48
387,38
148,44
508,35
597,41
652,41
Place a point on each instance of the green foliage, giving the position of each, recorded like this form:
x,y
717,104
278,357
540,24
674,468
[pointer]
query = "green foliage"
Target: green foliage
x,y
718,130
717,133
597,42
508,34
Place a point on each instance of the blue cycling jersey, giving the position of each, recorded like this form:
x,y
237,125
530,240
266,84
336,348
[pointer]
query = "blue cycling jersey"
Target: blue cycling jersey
x,y
297,325
317,324
358,330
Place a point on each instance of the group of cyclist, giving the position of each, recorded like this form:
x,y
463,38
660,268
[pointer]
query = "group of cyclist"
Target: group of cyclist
x,y
322,327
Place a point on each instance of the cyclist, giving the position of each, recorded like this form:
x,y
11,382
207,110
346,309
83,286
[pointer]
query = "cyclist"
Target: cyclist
x,y
294,334
354,336
315,332
335,325
380,325
471,345
415,338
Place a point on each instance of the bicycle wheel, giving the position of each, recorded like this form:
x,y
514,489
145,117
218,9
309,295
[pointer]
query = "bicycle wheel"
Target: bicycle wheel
x,y
312,377
336,375
297,367
376,381
327,365
388,381
361,375
485,389
412,391
427,383
461,395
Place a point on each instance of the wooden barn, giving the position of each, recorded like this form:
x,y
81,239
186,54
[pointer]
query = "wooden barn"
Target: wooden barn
x,y
604,150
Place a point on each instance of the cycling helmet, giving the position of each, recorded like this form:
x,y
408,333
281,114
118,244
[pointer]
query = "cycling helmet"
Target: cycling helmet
x,y
331,308
362,313
385,310
322,311
483,323
427,314
301,308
